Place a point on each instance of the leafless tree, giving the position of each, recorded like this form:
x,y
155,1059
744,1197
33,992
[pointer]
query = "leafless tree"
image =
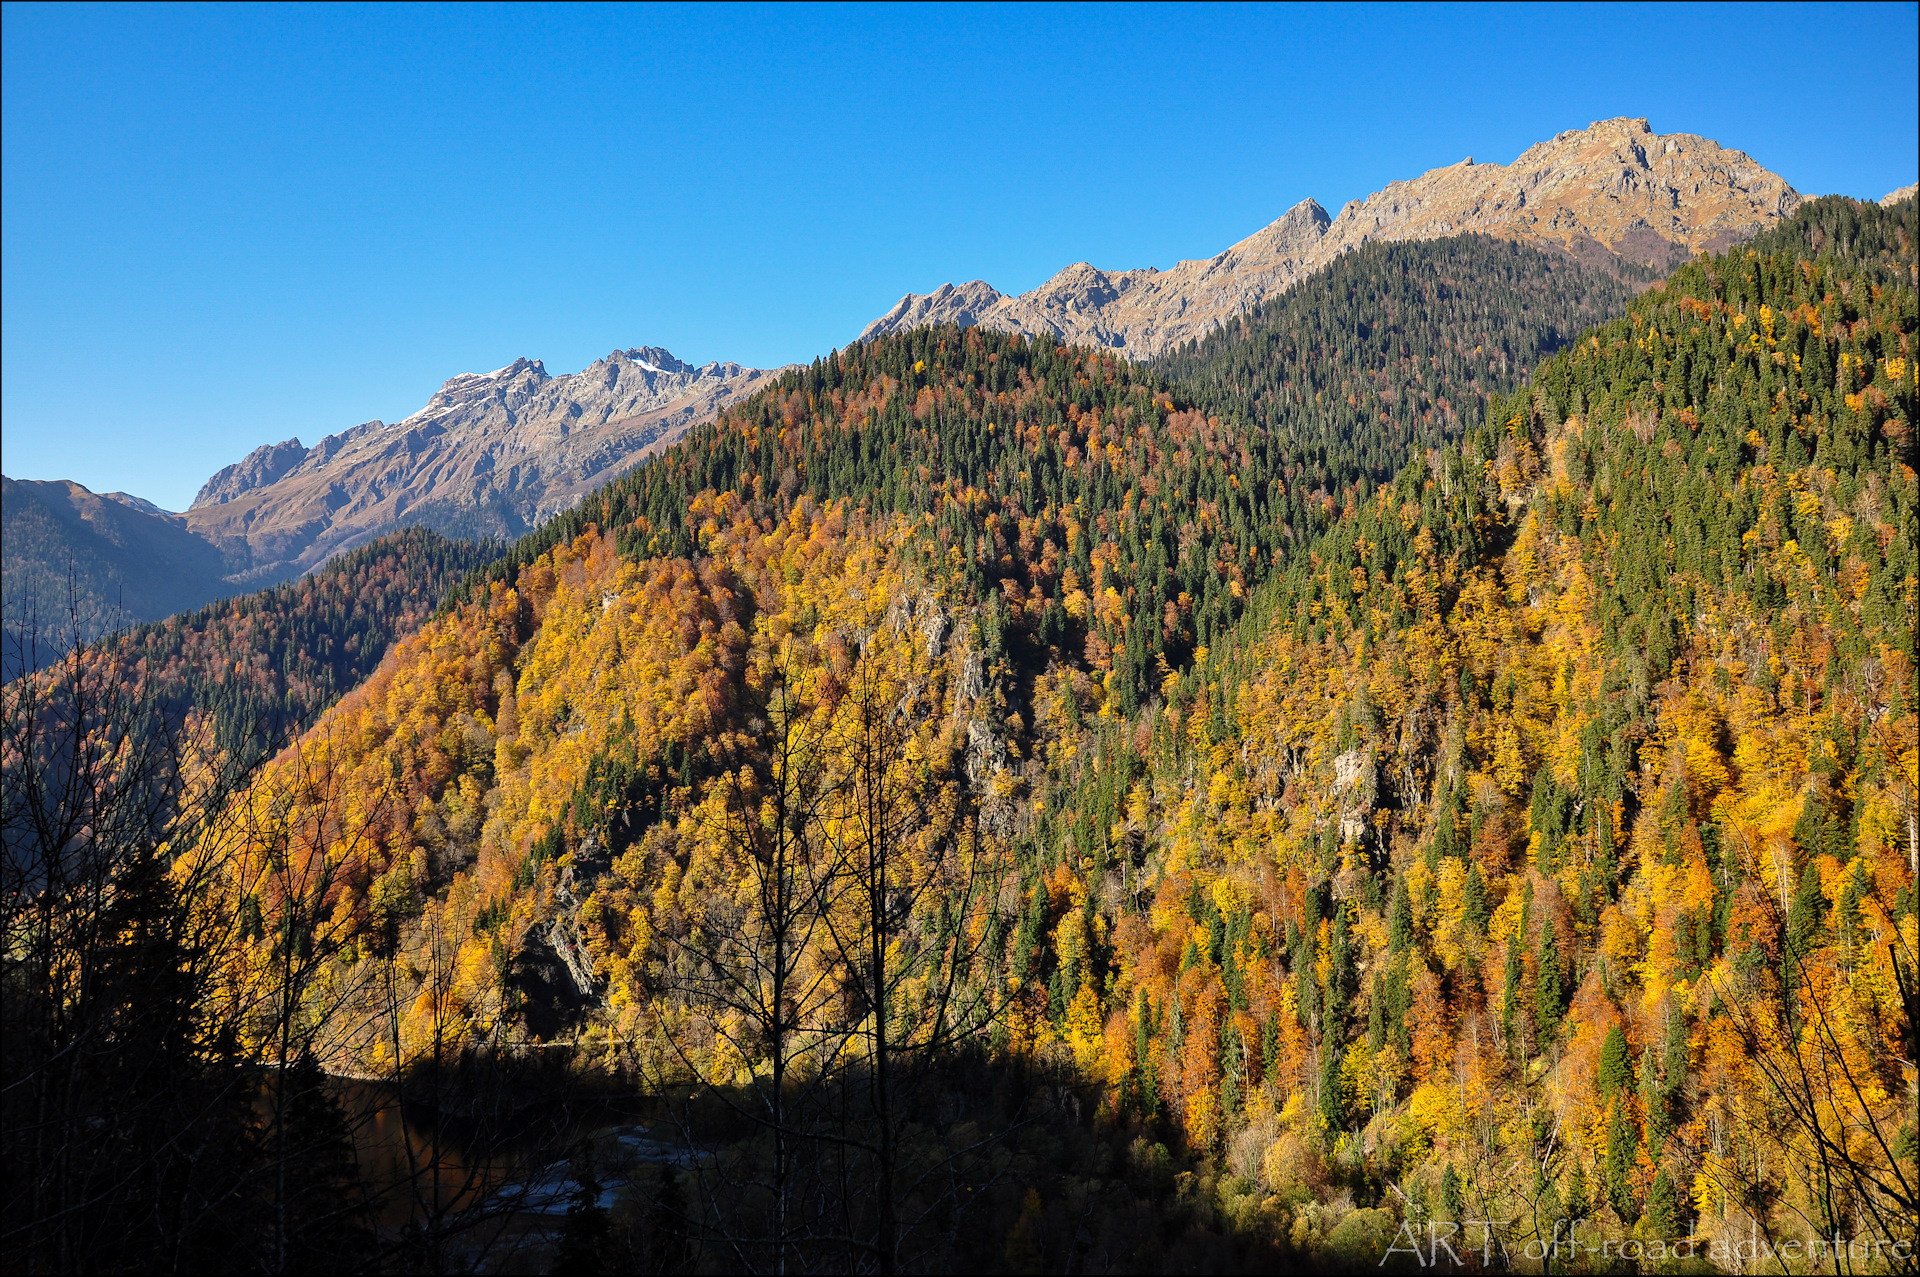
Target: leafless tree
x,y
1832,1110
907,931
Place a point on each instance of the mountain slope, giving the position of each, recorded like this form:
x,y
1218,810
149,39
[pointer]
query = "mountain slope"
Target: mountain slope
x,y
1612,193
124,559
491,455
1393,348
1568,786
1518,823
265,664
1058,530
1106,478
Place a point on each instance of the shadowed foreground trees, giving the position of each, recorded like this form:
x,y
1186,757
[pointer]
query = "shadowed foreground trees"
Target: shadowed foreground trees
x,y
164,1108
132,1136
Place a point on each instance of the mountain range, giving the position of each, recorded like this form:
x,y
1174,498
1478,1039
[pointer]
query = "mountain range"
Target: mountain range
x,y
493,454
1613,192
80,563
490,455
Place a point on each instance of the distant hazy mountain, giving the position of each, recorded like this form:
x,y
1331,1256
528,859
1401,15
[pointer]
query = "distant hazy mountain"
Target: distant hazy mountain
x,y
1614,191
75,558
490,455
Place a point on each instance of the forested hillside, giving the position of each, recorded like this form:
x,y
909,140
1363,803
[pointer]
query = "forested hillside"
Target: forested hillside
x,y
269,662
1047,816
1394,348
262,666
1545,844
1079,489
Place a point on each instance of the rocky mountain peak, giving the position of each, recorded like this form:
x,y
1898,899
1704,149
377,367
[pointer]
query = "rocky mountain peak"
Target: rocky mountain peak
x,y
1613,188
1295,231
1610,192
518,379
490,454
654,359
964,304
258,468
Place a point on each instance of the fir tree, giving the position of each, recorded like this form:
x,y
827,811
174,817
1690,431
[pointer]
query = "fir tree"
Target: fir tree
x,y
1548,1001
1478,910
1616,1072
1452,1200
1576,1193
1807,916
1663,1207
1399,918
1623,1145
1333,1113
1342,976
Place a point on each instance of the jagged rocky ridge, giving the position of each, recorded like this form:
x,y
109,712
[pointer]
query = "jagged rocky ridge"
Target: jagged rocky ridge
x,y
1610,193
490,455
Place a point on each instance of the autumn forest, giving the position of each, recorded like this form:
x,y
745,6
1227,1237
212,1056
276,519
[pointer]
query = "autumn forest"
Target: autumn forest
x,y
1440,748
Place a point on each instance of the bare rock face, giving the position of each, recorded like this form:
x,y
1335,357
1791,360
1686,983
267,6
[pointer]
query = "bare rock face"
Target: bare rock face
x,y
257,469
1610,191
1141,312
1616,183
1894,197
1356,783
965,304
491,454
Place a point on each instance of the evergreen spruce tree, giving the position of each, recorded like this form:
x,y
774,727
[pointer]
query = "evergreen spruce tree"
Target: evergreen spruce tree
x,y
1548,1001
1306,985
1452,1200
586,1235
1623,1145
1399,918
1332,1111
1377,1016
1478,910
1848,912
1806,917
1673,1065
1616,1071
1576,1199
1342,975
1663,1207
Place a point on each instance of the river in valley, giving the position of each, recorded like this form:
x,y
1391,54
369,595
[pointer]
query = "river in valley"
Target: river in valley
x,y
487,1187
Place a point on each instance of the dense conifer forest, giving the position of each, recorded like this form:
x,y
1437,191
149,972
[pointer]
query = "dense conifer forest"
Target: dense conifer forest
x,y
1046,813
268,663
1393,349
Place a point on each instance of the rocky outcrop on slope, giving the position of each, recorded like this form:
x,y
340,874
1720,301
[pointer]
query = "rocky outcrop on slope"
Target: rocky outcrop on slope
x,y
1610,192
1894,197
257,469
491,454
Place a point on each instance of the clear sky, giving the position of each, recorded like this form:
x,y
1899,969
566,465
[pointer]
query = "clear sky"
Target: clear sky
x,y
225,226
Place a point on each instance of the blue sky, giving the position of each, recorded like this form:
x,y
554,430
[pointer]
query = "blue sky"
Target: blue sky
x,y
225,226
